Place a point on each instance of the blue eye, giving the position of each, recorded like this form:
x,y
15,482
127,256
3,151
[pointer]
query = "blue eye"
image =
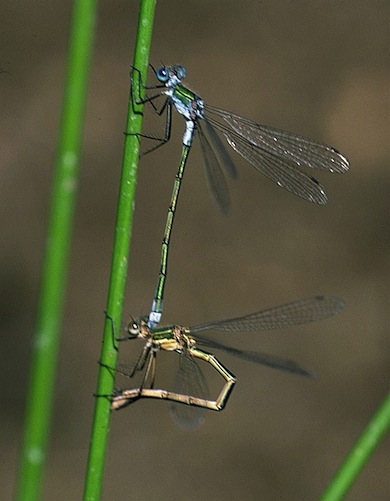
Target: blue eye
x,y
163,75
180,72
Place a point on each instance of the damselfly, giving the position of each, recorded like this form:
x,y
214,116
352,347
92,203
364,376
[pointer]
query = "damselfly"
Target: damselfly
x,y
277,154
191,385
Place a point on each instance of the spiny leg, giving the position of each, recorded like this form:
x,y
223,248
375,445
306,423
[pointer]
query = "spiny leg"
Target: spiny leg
x,y
126,397
123,398
139,365
118,391
138,99
150,369
113,329
167,106
215,405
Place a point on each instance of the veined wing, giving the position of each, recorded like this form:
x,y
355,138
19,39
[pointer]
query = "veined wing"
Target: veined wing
x,y
219,148
272,361
279,170
296,313
298,149
214,173
189,381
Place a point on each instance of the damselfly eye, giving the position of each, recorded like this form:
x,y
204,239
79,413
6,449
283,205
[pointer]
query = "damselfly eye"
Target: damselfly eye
x,y
132,330
180,72
163,74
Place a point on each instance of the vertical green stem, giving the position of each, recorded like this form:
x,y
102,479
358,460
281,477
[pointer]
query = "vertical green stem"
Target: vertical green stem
x,y
123,230
360,454
45,351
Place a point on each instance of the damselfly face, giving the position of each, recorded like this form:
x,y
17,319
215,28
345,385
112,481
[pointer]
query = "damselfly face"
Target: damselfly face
x,y
133,330
138,329
171,75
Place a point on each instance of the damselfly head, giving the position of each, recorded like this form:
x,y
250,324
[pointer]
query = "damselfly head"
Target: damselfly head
x,y
174,73
133,330
180,72
163,74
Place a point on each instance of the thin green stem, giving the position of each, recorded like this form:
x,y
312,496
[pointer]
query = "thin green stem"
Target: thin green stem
x,y
46,342
119,266
360,454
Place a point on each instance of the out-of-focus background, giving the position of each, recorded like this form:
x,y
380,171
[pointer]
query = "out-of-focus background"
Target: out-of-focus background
x,y
316,68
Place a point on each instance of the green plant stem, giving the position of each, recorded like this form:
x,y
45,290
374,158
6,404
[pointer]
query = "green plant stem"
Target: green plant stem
x,y
51,303
119,266
360,454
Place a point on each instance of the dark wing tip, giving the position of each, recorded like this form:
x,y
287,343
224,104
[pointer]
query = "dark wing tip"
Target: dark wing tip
x,y
337,304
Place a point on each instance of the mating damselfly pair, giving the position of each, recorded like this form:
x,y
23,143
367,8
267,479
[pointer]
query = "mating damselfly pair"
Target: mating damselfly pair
x,y
281,157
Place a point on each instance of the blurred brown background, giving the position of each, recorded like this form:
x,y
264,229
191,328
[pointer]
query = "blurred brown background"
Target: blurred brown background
x,y
316,68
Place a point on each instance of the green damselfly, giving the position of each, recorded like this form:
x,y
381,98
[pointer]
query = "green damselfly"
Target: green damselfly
x,y
191,386
277,154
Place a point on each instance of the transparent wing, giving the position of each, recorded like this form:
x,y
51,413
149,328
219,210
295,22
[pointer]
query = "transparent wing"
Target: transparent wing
x,y
189,381
298,149
296,313
219,148
280,170
266,359
214,173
